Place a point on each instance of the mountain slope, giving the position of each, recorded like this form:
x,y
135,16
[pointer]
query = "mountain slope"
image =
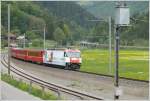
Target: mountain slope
x,y
102,9
69,10
27,16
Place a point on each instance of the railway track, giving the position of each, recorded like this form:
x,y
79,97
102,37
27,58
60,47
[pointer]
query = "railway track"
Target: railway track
x,y
111,76
51,86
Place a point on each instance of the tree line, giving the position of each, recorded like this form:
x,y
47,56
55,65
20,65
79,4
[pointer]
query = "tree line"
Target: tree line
x,y
66,25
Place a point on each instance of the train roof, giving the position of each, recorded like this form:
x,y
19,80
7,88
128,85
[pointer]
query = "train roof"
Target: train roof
x,y
61,49
28,49
72,50
65,49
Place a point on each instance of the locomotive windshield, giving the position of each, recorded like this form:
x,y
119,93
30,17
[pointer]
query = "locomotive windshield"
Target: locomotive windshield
x,y
73,54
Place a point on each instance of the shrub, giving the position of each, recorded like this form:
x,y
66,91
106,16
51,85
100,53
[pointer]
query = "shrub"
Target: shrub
x,y
25,87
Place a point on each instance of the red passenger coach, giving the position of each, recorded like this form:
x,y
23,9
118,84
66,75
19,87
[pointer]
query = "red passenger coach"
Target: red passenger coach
x,y
19,53
35,55
28,55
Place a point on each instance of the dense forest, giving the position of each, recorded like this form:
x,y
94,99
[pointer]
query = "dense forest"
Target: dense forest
x,y
66,24
104,8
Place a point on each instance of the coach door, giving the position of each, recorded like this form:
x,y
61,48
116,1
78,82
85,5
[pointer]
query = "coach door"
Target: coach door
x,y
48,57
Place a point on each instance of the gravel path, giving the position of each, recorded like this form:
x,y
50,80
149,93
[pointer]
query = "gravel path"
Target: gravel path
x,y
9,92
98,85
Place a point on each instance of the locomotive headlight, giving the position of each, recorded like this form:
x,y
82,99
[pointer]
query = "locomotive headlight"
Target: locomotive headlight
x,y
73,58
80,60
67,59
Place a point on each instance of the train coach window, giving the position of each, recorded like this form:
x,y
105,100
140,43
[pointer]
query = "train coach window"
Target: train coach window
x,y
33,54
21,52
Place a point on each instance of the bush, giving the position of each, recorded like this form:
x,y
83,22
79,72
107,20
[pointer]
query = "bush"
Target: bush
x,y
4,43
25,87
141,42
37,43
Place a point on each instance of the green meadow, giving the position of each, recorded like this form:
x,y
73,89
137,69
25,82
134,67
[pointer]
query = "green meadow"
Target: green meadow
x,y
132,63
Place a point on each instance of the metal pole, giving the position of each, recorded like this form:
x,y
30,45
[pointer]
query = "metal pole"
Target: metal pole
x,y
9,39
116,96
24,40
44,38
110,61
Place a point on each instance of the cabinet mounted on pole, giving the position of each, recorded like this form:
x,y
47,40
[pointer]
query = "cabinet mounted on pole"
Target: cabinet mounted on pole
x,y
122,19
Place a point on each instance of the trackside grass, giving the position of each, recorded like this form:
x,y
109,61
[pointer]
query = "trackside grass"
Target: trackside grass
x,y
25,87
132,63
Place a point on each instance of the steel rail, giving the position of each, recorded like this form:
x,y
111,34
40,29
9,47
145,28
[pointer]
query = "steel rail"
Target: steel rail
x,y
131,79
25,76
52,88
50,85
111,76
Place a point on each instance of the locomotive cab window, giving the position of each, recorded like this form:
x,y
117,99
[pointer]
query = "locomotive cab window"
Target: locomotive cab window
x,y
65,55
72,54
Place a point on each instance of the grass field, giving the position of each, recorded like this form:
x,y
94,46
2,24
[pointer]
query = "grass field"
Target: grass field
x,y
132,63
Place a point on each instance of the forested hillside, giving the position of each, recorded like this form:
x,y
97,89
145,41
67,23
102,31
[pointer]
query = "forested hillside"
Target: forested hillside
x,y
67,22
137,34
29,16
103,9
68,10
